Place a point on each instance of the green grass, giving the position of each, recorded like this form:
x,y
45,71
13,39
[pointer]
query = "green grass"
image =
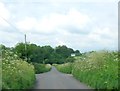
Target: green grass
x,y
65,68
41,68
98,70
16,73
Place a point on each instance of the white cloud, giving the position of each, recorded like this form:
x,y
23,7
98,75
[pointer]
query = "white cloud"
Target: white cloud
x,y
10,39
57,2
61,23
96,39
59,42
4,14
3,11
64,25
27,24
104,38
101,34
54,22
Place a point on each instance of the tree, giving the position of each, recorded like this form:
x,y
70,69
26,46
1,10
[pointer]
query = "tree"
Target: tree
x,y
20,49
47,50
77,52
64,51
70,59
44,54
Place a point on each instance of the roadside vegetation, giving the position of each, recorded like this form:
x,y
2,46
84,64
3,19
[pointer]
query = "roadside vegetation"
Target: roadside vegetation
x,y
16,73
98,70
65,68
41,68
19,65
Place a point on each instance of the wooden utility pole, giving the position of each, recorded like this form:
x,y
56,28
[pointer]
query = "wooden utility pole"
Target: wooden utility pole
x,y
25,48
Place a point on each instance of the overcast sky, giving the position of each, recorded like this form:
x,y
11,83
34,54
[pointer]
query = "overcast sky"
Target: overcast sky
x,y
80,24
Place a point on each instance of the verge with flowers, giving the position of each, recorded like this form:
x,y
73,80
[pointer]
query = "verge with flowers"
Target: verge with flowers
x,y
16,73
98,70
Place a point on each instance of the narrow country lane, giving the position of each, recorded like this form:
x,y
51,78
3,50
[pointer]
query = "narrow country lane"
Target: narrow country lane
x,y
57,80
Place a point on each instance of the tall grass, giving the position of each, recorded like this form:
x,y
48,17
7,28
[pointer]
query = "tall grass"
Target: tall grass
x,y
98,70
16,73
65,68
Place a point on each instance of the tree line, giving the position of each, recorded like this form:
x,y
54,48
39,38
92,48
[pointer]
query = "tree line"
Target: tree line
x,y
44,54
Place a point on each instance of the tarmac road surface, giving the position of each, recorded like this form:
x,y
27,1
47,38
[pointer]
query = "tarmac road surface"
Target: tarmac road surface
x,y
57,80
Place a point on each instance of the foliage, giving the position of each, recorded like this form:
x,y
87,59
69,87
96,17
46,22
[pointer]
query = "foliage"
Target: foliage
x,y
16,73
64,51
70,59
97,69
41,68
44,54
65,68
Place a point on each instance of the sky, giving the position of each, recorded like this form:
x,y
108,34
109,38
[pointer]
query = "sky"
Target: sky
x,y
83,25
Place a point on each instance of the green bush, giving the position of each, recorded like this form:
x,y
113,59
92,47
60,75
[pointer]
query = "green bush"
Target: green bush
x,y
16,73
65,68
70,59
41,68
99,70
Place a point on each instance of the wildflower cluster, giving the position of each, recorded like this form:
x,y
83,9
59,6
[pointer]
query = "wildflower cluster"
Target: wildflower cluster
x,y
16,73
99,70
